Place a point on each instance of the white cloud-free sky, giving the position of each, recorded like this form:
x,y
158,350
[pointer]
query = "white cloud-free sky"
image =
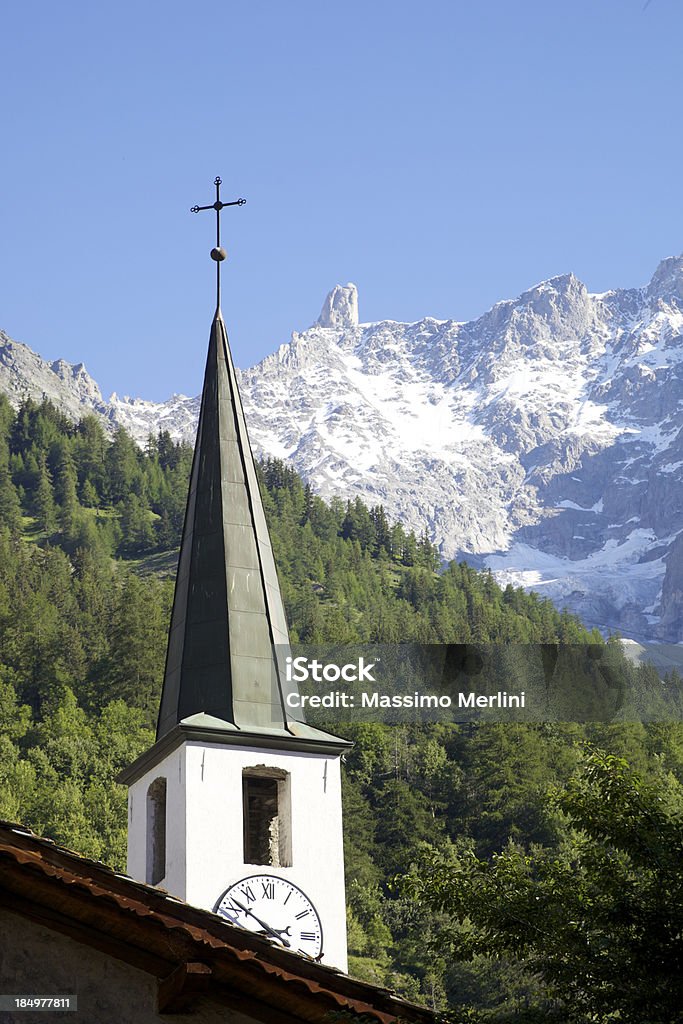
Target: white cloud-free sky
x,y
443,155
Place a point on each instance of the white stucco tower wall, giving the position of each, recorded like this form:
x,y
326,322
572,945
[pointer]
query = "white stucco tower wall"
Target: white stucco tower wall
x,y
204,831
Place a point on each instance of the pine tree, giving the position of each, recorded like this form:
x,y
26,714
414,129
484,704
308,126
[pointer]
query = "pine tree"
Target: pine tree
x,y
65,492
90,447
89,496
138,532
46,512
10,506
124,475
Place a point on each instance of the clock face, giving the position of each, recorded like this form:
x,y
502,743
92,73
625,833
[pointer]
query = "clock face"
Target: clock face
x,y
271,906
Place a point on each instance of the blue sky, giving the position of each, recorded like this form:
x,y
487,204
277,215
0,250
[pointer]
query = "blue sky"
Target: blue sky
x,y
442,155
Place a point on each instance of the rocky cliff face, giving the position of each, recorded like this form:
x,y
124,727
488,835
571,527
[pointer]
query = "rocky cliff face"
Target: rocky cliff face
x,y
23,374
340,309
544,439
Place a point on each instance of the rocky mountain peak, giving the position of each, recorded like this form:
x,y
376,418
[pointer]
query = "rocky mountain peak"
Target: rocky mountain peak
x,y
340,308
667,281
77,378
557,293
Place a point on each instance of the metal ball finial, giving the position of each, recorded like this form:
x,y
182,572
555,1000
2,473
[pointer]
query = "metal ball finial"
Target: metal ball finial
x,y
219,254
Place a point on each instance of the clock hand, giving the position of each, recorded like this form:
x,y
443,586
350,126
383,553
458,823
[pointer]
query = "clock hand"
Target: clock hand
x,y
281,931
266,927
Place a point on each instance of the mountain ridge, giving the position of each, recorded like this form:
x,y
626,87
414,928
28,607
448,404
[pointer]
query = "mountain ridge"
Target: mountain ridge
x,y
541,439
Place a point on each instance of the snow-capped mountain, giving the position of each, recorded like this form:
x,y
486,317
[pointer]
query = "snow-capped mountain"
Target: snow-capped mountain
x,y
544,439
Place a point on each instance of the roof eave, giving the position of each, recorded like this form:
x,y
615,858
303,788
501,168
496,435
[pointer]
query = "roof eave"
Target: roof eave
x,y
299,736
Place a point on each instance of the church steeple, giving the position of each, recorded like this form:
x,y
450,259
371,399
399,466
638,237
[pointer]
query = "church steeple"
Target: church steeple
x,y
228,629
237,805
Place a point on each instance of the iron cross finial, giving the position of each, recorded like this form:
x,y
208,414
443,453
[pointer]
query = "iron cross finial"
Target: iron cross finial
x,y
218,254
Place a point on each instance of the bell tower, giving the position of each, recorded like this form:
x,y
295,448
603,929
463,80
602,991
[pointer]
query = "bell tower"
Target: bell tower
x,y
236,808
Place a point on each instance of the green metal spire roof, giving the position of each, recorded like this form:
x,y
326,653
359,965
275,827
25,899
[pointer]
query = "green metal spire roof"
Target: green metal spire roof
x,y
228,627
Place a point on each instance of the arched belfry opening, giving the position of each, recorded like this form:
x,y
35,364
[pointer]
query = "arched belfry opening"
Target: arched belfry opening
x,y
156,832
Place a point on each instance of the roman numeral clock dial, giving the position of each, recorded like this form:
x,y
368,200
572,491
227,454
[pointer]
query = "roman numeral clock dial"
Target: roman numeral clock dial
x,y
271,906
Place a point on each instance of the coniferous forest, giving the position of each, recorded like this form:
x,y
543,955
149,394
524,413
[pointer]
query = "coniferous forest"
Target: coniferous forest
x,y
497,873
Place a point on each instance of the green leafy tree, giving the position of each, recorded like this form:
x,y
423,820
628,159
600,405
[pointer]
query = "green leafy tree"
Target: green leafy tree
x,y
600,917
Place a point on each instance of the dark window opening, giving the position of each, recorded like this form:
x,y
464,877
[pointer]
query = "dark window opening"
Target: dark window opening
x,y
266,818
